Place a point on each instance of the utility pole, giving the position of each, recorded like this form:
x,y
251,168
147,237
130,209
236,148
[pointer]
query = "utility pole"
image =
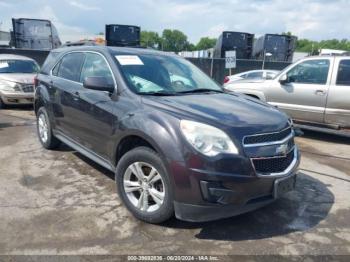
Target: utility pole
x,y
265,55
263,64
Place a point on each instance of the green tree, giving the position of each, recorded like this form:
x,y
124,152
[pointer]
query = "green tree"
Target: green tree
x,y
191,47
206,43
150,39
174,41
306,45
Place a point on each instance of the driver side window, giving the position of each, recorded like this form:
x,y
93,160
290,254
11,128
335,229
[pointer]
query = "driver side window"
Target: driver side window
x,y
95,66
309,72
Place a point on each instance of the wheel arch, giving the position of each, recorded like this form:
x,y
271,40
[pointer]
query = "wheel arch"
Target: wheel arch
x,y
41,98
130,142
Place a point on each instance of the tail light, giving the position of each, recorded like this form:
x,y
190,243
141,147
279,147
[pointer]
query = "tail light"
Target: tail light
x,y
36,81
226,79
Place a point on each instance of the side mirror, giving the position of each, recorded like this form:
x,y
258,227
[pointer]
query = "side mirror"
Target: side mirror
x,y
98,83
283,79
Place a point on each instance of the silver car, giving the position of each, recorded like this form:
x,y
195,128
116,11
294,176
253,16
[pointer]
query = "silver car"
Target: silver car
x,y
17,79
251,75
314,91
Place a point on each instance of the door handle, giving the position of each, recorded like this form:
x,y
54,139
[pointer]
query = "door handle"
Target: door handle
x,y
320,92
76,96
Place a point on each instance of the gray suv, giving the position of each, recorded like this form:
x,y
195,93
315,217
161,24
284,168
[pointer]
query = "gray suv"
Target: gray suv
x,y
314,91
177,143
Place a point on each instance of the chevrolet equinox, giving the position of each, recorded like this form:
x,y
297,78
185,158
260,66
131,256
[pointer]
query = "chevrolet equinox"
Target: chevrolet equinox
x,y
177,142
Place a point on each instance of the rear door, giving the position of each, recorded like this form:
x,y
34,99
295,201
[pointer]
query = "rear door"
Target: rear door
x,y
304,96
66,76
338,103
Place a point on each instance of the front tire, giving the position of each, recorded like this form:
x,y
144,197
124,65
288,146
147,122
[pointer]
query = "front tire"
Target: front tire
x,y
44,130
144,185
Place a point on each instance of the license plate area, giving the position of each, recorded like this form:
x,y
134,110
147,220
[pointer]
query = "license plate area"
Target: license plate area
x,y
284,185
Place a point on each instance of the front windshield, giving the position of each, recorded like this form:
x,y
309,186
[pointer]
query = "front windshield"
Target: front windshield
x,y
18,66
163,74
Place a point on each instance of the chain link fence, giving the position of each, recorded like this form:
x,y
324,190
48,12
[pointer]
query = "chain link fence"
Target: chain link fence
x,y
212,67
216,67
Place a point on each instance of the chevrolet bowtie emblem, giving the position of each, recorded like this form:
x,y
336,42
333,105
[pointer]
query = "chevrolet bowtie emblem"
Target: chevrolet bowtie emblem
x,y
282,149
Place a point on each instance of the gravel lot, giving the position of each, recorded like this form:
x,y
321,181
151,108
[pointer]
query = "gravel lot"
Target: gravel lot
x,y
59,202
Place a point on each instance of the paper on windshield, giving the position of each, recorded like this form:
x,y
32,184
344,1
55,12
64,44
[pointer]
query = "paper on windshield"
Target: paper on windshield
x,y
4,64
129,60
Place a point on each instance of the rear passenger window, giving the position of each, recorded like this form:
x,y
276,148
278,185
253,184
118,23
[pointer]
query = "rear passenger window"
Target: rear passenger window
x,y
96,65
343,77
70,66
270,75
255,75
49,62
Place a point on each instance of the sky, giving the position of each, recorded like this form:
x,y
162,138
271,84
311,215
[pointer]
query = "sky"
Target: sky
x,y
77,19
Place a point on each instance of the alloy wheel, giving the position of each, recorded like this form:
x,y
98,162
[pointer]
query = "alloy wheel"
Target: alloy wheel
x,y
43,128
144,186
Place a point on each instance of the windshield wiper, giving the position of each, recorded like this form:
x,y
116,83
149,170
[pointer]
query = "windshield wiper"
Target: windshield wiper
x,y
159,93
200,90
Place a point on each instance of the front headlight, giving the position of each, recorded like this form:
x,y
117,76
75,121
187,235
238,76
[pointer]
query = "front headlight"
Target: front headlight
x,y
9,86
207,139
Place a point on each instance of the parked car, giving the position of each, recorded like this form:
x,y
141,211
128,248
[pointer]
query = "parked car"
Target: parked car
x,y
16,79
314,91
176,144
251,75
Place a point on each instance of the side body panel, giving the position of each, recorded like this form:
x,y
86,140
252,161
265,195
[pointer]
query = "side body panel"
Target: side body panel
x,y
338,102
301,101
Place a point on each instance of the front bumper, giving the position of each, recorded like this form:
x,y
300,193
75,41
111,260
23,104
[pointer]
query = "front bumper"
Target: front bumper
x,y
12,98
204,213
220,195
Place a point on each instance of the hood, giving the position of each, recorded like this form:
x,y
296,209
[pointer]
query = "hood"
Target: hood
x,y
18,78
227,111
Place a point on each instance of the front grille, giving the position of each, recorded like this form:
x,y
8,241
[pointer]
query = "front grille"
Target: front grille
x,y
28,88
273,164
269,137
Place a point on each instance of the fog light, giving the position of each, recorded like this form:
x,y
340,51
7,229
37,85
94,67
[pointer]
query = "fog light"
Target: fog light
x,y
214,192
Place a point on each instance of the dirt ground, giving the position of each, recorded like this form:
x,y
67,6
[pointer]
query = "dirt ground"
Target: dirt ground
x,y
59,202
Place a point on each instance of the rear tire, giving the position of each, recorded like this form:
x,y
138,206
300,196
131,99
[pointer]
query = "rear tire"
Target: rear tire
x,y
144,185
44,130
